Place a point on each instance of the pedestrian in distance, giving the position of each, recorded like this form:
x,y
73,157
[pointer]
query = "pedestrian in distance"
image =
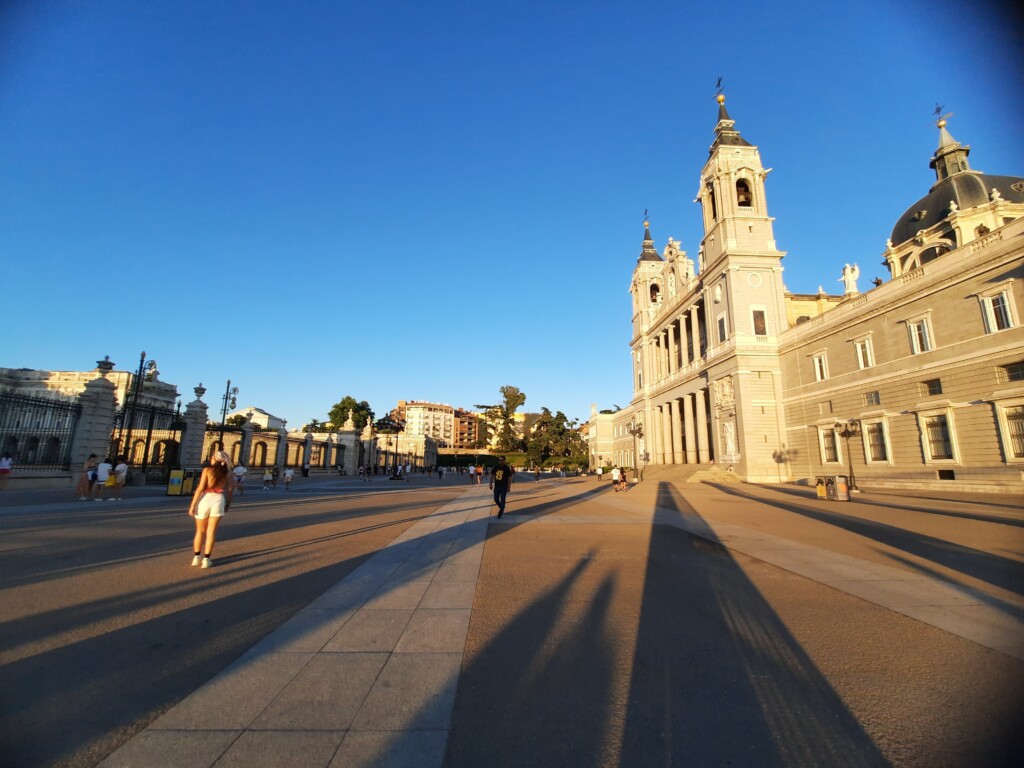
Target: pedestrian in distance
x,y
120,476
210,503
623,480
275,471
615,479
6,467
85,482
268,478
472,474
289,473
239,475
501,482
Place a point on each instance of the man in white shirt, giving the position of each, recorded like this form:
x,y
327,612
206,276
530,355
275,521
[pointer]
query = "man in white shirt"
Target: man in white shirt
x,y
103,471
239,474
615,479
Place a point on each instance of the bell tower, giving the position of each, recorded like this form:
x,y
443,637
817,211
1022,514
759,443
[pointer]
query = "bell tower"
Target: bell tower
x,y
744,302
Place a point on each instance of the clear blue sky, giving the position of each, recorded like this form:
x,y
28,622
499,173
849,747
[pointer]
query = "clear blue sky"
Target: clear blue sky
x,y
429,200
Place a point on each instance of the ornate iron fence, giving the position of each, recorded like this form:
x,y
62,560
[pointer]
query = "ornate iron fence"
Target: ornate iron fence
x,y
149,438
36,431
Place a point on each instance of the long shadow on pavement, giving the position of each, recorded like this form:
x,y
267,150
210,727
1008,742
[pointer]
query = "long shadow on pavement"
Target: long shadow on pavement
x,y
926,510
993,569
717,677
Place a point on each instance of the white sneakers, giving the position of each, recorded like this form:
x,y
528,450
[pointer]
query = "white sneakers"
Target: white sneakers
x,y
197,560
207,563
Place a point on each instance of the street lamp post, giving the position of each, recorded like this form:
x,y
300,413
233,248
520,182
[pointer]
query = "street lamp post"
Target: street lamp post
x,y
131,401
228,400
846,430
637,431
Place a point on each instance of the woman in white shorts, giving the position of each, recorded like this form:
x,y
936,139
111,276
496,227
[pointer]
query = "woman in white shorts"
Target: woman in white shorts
x,y
209,503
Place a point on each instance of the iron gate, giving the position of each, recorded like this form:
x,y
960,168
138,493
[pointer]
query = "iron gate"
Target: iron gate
x,y
149,437
37,431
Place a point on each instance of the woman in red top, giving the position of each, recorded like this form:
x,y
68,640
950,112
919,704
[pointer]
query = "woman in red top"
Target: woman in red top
x,y
209,503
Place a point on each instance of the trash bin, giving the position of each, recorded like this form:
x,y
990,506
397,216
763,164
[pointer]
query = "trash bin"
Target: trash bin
x,y
830,488
819,487
842,483
189,480
174,482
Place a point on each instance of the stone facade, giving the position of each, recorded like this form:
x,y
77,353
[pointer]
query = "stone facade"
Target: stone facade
x,y
916,381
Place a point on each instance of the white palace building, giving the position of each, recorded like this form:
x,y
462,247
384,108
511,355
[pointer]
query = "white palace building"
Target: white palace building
x,y
917,382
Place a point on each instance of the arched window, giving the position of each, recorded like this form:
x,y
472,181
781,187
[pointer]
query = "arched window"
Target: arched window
x,y
711,197
744,198
655,293
260,454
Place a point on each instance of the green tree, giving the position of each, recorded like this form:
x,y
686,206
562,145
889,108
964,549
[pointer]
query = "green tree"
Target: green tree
x,y
314,425
503,416
361,412
236,421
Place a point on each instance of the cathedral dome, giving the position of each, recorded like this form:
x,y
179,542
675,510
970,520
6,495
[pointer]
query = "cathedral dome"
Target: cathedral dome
x,y
967,189
957,187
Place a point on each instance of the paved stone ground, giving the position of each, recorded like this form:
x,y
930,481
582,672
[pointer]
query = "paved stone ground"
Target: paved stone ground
x,y
669,625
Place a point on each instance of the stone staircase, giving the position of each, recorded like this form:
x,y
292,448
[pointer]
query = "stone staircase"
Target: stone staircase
x,y
690,473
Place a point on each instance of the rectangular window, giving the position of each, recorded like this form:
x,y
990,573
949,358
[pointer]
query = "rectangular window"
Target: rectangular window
x,y
760,325
721,330
876,442
1012,372
865,357
820,367
919,338
996,310
940,443
829,454
872,398
1015,427
931,387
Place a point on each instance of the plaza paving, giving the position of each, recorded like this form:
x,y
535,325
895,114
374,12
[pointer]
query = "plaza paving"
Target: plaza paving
x,y
587,639
673,624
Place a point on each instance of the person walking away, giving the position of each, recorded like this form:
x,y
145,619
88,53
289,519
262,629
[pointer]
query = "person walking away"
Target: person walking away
x,y
472,474
615,479
305,469
501,481
120,476
408,470
239,474
623,480
268,477
600,472
103,470
6,466
289,473
275,471
210,503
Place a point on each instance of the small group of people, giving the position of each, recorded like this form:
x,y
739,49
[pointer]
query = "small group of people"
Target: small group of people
x,y
476,473
100,477
270,477
620,481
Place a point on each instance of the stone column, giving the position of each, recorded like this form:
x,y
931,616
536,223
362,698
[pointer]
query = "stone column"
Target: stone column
x,y
245,450
96,422
691,446
701,404
654,423
677,435
329,452
281,458
307,450
673,353
194,440
695,331
665,433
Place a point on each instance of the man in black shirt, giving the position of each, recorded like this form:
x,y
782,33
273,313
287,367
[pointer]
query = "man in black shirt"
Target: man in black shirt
x,y
501,479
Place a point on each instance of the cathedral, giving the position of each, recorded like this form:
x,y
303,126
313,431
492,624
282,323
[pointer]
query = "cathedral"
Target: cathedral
x,y
916,382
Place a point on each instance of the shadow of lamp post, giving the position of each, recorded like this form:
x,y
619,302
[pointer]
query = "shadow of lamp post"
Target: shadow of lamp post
x,y
846,430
